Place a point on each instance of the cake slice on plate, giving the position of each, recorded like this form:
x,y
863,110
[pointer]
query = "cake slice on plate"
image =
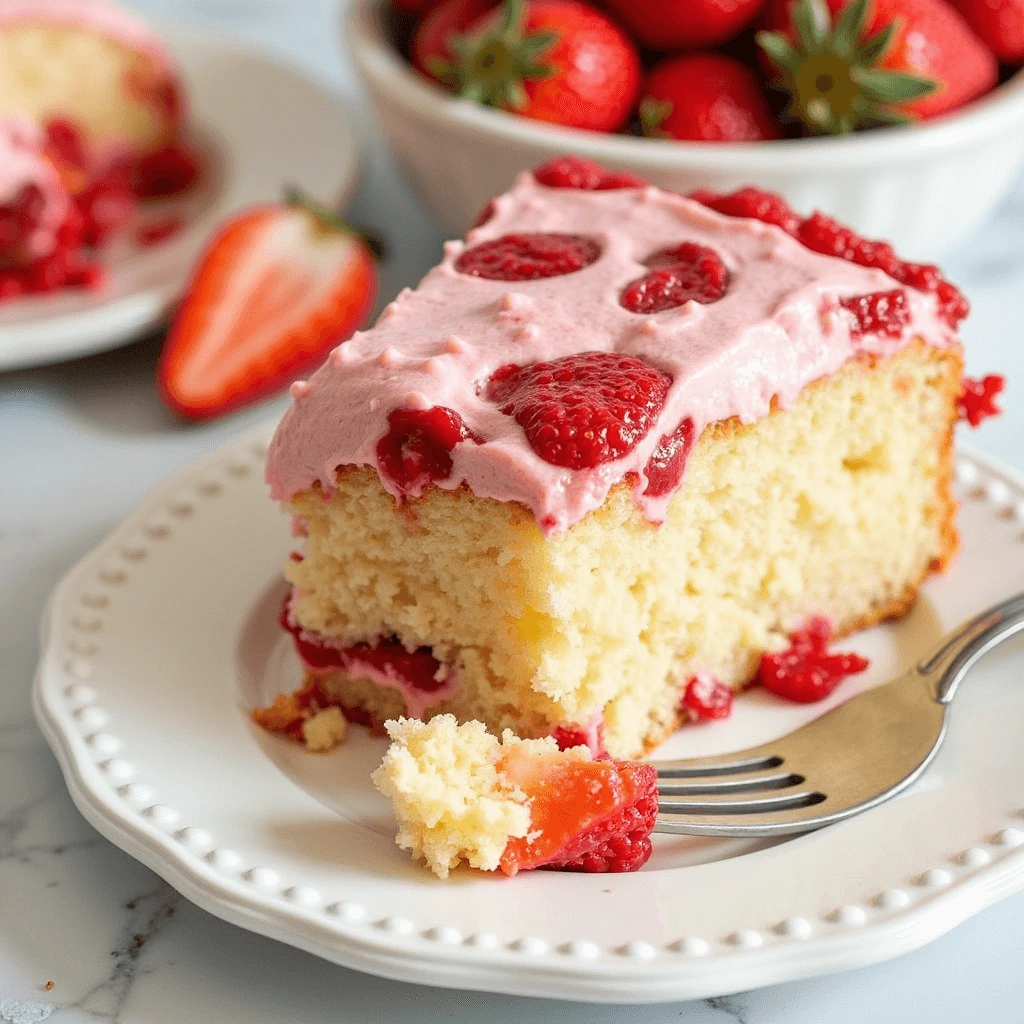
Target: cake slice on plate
x,y
617,439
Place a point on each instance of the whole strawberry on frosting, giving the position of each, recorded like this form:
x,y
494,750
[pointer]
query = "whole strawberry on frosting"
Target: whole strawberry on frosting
x,y
705,97
851,64
685,24
558,61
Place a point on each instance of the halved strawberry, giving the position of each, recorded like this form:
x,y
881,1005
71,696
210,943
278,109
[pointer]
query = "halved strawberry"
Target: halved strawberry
x,y
592,816
278,287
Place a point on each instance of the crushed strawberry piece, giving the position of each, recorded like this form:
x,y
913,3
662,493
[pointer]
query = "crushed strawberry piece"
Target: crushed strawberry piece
x,y
484,215
667,464
593,816
752,203
417,448
582,410
576,172
18,220
824,234
977,402
571,735
883,314
528,257
165,172
64,144
707,698
806,672
107,205
678,275
419,668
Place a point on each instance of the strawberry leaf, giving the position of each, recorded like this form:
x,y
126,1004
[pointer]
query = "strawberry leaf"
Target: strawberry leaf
x,y
653,114
892,86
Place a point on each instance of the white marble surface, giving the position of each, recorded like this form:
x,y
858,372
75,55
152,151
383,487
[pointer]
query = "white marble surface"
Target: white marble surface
x,y
80,444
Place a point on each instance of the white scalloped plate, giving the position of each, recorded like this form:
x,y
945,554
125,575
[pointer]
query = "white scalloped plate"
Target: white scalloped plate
x,y
157,643
261,126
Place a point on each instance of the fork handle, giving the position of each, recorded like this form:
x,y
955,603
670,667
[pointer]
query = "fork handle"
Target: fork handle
x,y
956,654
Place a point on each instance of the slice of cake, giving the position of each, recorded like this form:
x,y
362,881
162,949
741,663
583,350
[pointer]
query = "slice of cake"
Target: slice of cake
x,y
462,795
95,65
618,438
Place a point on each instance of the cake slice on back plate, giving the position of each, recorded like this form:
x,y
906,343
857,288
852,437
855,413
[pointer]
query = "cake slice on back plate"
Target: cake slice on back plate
x,y
618,439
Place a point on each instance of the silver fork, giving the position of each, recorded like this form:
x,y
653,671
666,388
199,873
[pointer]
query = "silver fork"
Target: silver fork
x,y
851,759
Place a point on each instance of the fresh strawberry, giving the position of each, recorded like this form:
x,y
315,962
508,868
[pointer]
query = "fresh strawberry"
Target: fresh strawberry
x,y
851,64
593,816
431,49
999,24
582,410
705,97
276,289
685,24
559,61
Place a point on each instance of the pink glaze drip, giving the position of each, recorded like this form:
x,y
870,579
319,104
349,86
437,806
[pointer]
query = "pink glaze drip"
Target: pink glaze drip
x,y
22,164
771,335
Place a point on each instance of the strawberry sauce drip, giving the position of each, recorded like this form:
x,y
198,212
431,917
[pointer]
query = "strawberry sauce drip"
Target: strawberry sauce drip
x,y
806,672
977,403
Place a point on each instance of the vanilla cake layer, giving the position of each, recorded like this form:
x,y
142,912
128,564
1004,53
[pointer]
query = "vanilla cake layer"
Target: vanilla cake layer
x,y
840,506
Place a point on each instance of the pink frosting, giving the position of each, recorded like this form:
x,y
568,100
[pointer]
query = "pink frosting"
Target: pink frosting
x,y
97,15
22,164
769,336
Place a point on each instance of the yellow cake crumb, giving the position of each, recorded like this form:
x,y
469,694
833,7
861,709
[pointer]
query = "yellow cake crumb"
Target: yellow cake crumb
x,y
452,803
325,730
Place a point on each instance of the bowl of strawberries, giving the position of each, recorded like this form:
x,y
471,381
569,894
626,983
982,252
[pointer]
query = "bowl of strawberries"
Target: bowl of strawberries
x,y
903,118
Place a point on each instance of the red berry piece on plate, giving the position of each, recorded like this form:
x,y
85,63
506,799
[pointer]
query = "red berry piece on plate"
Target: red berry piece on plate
x,y
978,401
752,203
576,172
806,672
852,64
431,50
883,314
684,24
278,287
592,816
558,61
707,698
684,273
528,257
417,448
582,410
705,97
665,467
999,24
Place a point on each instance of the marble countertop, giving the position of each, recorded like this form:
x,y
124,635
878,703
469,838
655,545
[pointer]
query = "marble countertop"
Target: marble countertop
x,y
87,934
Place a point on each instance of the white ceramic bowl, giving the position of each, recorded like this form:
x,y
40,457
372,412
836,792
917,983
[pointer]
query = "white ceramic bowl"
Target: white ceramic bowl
x,y
924,187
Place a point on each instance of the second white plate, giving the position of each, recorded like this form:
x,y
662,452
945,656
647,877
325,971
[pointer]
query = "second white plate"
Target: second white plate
x,y
159,642
261,126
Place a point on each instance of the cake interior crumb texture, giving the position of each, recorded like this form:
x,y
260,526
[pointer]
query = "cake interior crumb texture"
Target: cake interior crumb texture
x,y
840,506
47,69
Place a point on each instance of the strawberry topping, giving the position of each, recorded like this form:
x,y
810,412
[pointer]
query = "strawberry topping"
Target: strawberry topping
x,y
806,672
576,172
417,449
572,735
978,400
582,410
528,257
665,467
823,234
680,274
885,314
707,697
593,816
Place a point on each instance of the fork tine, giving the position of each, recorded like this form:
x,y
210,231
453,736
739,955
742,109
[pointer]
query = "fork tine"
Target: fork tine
x,y
695,768
765,805
729,784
